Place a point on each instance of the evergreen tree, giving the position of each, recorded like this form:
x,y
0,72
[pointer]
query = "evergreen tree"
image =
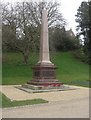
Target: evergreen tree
x,y
84,25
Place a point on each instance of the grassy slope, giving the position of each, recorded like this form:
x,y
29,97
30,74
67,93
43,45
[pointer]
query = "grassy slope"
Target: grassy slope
x,y
70,70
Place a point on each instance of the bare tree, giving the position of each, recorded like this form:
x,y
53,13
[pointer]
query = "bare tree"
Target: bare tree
x,y
26,17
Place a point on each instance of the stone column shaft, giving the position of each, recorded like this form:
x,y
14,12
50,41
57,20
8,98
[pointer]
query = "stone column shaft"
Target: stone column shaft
x,y
44,41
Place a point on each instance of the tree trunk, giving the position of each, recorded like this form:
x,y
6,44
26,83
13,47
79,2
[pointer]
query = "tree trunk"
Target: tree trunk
x,y
26,57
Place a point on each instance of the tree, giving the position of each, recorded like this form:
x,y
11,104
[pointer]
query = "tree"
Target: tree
x,y
9,36
63,41
82,18
27,20
89,31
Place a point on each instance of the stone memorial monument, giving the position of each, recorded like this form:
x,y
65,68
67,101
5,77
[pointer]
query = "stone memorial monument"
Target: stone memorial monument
x,y
44,71
44,76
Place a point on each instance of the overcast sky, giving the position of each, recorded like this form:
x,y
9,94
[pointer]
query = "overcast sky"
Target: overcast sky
x,y
68,9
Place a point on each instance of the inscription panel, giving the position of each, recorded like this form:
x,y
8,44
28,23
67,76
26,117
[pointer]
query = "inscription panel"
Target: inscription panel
x,y
48,73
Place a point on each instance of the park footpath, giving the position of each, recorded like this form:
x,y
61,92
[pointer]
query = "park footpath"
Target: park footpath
x,y
15,94
70,103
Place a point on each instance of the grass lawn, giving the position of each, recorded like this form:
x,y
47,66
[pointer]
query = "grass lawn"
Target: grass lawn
x,y
70,70
7,103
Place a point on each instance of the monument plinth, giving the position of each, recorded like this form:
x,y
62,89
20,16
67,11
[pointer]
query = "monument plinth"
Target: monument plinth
x,y
44,70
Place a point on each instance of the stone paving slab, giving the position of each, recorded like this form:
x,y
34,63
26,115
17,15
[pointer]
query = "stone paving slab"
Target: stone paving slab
x,y
15,94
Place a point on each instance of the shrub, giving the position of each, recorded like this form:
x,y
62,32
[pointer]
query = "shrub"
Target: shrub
x,y
79,54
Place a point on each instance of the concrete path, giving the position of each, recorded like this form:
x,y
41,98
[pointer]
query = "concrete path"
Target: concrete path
x,y
78,108
62,104
15,94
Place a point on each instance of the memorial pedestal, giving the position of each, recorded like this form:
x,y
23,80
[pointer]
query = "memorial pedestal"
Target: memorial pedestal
x,y
44,75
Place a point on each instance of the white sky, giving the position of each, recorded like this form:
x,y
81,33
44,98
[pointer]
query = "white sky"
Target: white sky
x,y
68,9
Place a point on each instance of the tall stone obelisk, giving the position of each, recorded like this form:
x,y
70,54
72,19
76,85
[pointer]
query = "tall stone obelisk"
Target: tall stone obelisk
x,y
44,70
44,41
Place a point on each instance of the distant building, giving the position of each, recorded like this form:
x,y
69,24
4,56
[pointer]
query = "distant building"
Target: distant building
x,y
70,33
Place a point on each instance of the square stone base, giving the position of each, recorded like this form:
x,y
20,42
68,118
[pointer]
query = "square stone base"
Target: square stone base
x,y
37,89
